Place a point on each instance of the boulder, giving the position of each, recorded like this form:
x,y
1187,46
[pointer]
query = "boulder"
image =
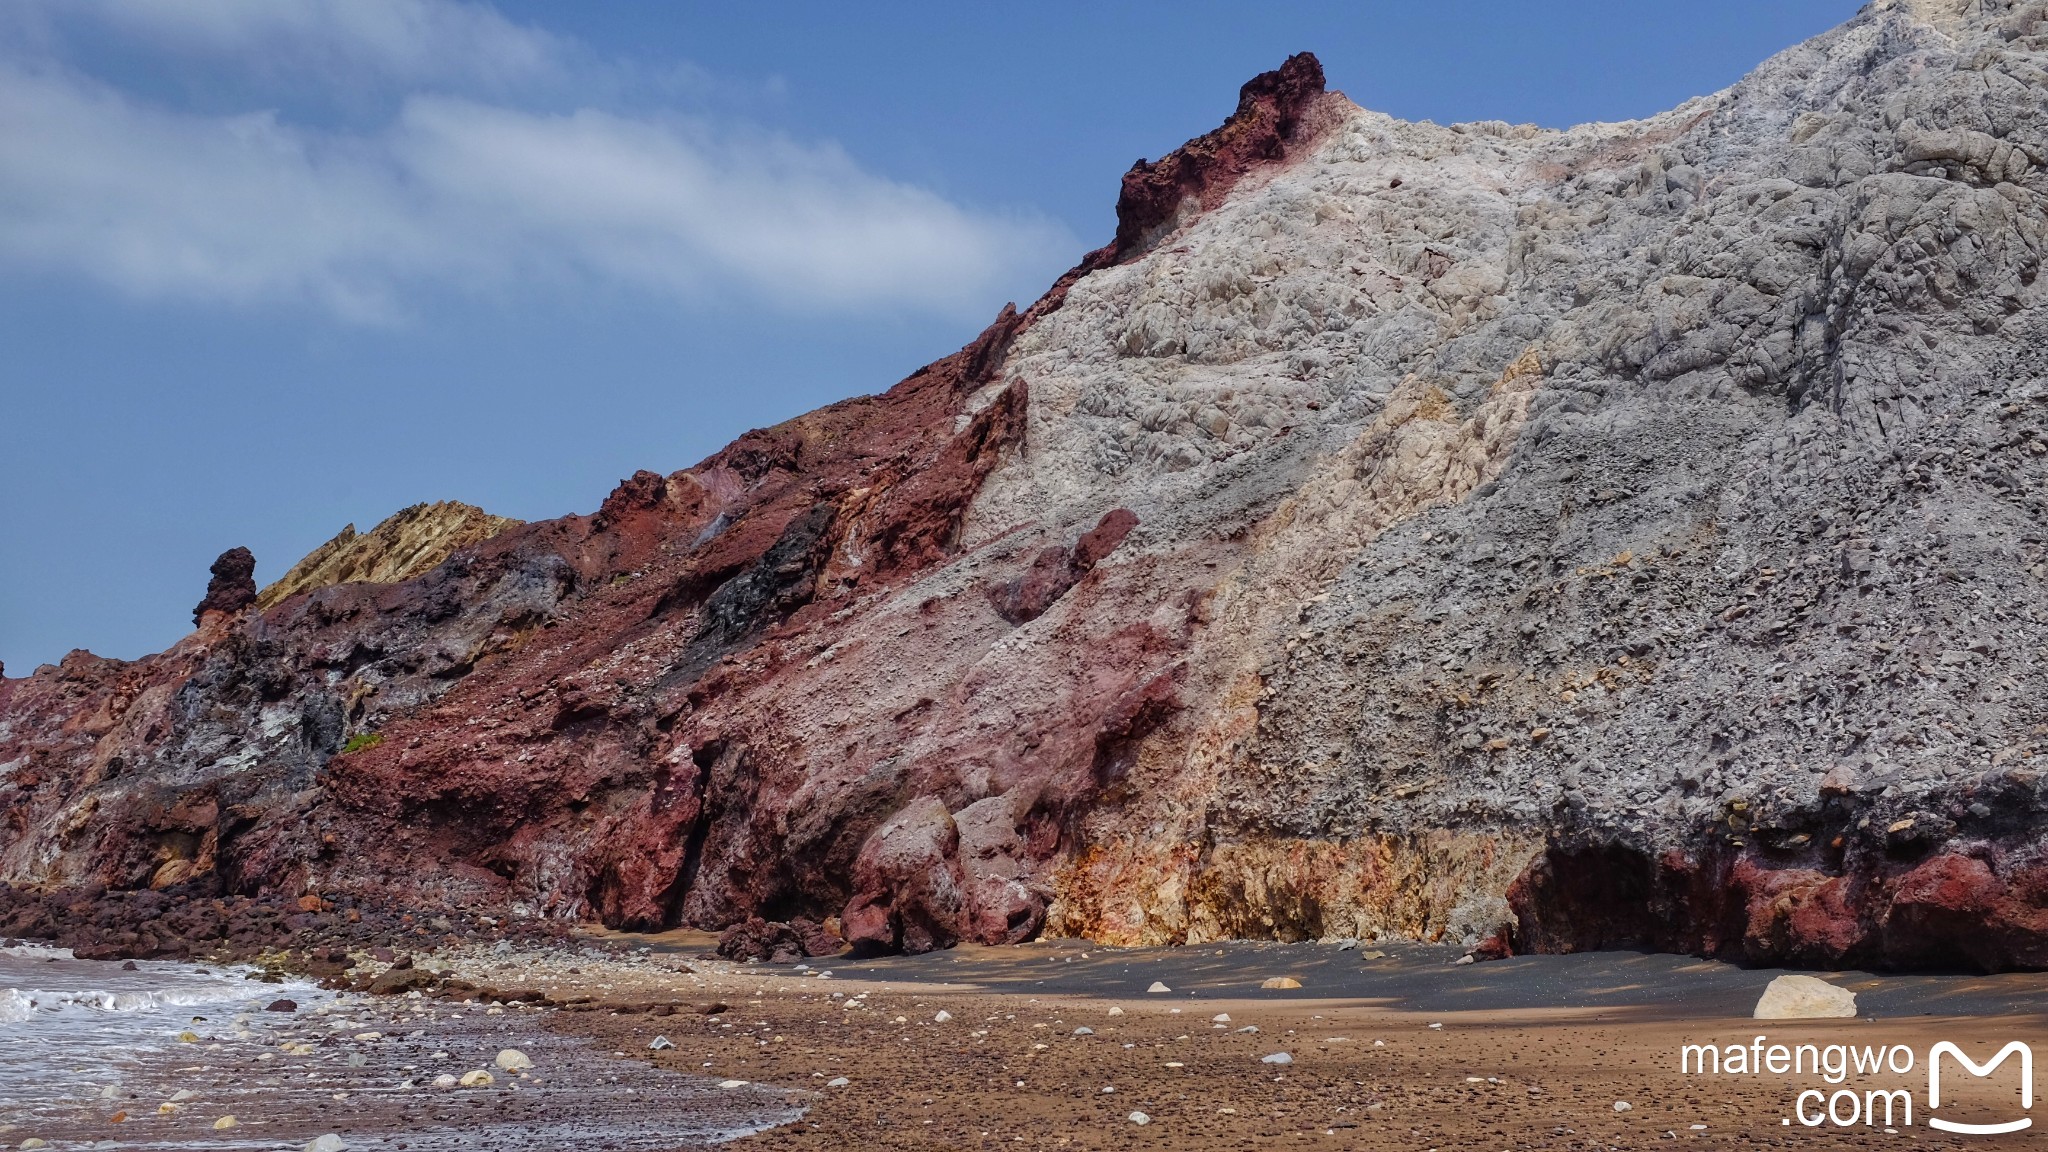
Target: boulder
x,y
1794,997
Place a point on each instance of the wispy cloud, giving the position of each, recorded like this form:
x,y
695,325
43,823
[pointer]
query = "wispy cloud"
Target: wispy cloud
x,y
469,178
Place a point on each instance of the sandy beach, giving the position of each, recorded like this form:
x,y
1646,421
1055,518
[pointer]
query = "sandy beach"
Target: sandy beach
x,y
645,1043
1540,1057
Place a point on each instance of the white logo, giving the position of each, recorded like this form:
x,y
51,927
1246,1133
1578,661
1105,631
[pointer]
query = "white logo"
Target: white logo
x,y
1976,1069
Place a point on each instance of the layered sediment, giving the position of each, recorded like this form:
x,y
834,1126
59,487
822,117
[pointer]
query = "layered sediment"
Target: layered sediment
x,y
1628,535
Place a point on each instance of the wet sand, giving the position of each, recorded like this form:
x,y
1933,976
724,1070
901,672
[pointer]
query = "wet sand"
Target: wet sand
x,y
78,1072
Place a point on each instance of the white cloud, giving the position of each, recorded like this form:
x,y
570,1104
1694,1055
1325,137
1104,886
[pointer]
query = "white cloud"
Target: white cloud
x,y
470,190
333,42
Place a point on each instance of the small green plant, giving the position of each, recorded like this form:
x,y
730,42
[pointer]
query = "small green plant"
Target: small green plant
x,y
362,740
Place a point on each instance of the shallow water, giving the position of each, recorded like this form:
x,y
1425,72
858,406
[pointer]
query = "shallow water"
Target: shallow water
x,y
82,1042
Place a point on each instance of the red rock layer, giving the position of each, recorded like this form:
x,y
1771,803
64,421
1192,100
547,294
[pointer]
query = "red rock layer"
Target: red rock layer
x,y
1845,892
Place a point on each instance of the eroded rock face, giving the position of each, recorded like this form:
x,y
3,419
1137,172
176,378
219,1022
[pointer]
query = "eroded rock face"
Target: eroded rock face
x,y
1548,540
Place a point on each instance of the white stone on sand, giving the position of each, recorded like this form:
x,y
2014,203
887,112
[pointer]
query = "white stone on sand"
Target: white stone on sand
x,y
1794,997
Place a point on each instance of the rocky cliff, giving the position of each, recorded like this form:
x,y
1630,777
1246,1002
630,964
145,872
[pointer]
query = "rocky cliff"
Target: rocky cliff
x,y
1629,535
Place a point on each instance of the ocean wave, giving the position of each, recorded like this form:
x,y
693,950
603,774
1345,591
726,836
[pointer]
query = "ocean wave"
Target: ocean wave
x,y
19,1004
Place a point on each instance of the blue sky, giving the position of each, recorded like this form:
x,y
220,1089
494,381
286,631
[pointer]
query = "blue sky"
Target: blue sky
x,y
267,268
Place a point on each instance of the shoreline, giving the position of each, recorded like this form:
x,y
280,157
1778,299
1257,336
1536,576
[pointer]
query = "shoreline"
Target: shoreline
x,y
1015,1046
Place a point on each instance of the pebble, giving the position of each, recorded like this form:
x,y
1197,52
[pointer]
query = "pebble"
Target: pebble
x,y
33,1142
942,1017
1622,1105
1114,1011
732,1084
1084,1030
1158,986
660,1044
837,1082
224,1123
182,1095
513,1060
327,1143
1140,1119
1280,982
444,1080
477,1078
1250,1030
1277,1058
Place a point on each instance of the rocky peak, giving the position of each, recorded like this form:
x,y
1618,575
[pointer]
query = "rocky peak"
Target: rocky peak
x,y
233,586
1276,112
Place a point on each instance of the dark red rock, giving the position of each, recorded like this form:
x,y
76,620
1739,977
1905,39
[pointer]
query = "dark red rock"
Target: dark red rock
x,y
1276,111
1057,570
233,587
1981,905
